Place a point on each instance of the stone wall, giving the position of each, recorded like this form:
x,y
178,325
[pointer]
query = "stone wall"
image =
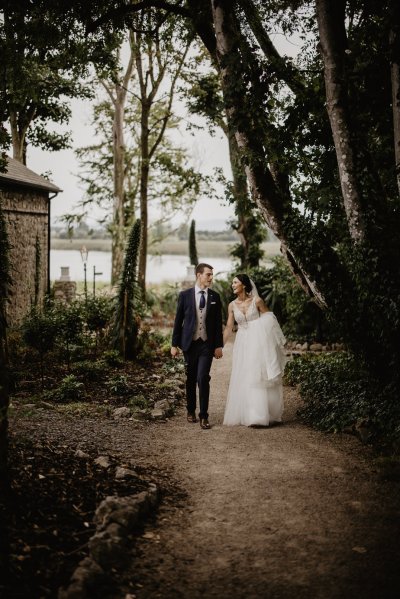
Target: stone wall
x,y
26,215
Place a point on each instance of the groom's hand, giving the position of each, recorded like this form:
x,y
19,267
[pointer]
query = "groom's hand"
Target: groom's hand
x,y
218,353
174,351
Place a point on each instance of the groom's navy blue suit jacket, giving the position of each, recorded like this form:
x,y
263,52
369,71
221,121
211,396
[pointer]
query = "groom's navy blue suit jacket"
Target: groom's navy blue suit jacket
x,y
185,320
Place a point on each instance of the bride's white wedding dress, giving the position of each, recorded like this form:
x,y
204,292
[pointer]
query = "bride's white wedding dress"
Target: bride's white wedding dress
x,y
255,395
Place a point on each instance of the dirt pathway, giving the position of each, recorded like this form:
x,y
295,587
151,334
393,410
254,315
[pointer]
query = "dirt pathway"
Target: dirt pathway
x,y
281,512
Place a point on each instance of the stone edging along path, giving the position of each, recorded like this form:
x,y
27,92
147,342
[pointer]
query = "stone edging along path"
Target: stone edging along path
x,y
115,518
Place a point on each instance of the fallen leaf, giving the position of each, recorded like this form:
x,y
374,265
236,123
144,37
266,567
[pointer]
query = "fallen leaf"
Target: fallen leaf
x,y
360,549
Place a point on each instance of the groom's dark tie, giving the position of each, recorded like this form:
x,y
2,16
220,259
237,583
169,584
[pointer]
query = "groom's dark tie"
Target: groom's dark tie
x,y
202,303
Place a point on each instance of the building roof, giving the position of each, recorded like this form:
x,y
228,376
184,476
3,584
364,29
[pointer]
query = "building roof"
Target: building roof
x,y
18,173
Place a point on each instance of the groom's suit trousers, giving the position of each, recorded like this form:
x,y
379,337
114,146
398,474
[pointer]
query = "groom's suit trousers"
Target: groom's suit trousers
x,y
198,360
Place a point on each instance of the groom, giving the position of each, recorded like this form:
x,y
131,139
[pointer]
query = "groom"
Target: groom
x,y
198,332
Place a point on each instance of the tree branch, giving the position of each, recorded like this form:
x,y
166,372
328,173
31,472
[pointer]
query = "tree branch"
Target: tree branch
x,y
124,11
284,70
171,97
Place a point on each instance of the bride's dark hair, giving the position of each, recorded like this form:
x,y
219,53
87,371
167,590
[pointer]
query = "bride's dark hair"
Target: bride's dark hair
x,y
244,279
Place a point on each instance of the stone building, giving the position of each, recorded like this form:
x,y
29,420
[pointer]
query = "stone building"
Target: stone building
x,y
25,202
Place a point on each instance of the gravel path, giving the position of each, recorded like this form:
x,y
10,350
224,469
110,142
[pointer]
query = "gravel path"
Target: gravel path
x,y
281,512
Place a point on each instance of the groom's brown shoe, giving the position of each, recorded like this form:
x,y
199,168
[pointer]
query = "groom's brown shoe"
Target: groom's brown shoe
x,y
204,423
191,417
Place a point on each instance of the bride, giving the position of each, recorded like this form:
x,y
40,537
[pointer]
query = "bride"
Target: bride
x,y
255,395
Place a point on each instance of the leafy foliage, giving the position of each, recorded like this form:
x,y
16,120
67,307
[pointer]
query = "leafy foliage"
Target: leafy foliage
x,y
98,311
89,370
45,56
119,385
299,316
69,390
40,331
112,358
339,393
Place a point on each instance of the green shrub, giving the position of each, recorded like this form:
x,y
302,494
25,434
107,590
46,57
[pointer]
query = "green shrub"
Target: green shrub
x,y
138,402
97,313
163,300
174,366
296,369
148,343
224,288
112,358
118,385
40,331
339,392
70,320
70,389
90,371
193,257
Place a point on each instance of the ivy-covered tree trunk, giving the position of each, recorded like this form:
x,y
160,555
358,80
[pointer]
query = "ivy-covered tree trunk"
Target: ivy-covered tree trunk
x,y
248,226
125,325
118,225
274,205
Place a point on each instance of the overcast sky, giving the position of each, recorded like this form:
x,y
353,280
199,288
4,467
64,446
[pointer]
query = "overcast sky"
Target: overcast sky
x,y
206,152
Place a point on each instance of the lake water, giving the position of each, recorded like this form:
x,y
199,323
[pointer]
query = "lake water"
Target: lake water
x,y
159,268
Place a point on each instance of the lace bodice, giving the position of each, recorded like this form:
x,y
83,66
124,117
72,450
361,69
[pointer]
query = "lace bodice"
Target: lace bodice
x,y
251,313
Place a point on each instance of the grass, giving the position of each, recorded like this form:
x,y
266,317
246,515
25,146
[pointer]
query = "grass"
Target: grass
x,y
215,249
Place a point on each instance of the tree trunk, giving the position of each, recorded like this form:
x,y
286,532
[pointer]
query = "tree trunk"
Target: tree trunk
x,y
118,228
284,69
240,193
118,99
144,182
330,17
150,78
394,43
18,140
272,202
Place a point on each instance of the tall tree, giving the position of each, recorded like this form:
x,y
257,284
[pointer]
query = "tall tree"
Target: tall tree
x,y
160,54
334,265
44,59
116,87
173,185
